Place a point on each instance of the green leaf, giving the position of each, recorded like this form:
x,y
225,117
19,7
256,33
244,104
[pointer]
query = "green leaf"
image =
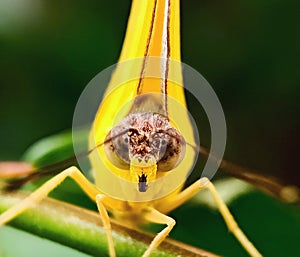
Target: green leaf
x,y
53,149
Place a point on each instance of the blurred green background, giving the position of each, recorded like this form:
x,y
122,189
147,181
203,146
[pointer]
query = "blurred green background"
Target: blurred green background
x,y
248,50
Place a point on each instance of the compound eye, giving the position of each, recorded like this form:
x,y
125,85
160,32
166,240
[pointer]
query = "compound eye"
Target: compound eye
x,y
117,148
172,150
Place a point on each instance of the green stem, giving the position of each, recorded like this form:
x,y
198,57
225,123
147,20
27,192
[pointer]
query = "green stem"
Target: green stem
x,y
81,229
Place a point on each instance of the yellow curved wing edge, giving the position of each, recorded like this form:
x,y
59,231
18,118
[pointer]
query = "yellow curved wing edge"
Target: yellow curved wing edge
x,y
144,37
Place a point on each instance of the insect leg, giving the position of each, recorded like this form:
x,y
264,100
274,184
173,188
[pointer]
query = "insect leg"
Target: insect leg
x,y
229,220
42,192
100,198
155,216
45,189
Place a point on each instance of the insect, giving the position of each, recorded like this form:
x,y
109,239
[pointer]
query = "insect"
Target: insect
x,y
142,142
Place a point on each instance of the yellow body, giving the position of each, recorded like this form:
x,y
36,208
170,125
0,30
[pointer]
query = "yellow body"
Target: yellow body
x,y
144,38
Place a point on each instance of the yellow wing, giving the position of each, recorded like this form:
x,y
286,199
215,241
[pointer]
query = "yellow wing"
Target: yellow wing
x,y
149,63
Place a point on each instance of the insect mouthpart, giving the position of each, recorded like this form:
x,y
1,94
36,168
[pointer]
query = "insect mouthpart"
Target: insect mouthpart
x,y
143,183
142,171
